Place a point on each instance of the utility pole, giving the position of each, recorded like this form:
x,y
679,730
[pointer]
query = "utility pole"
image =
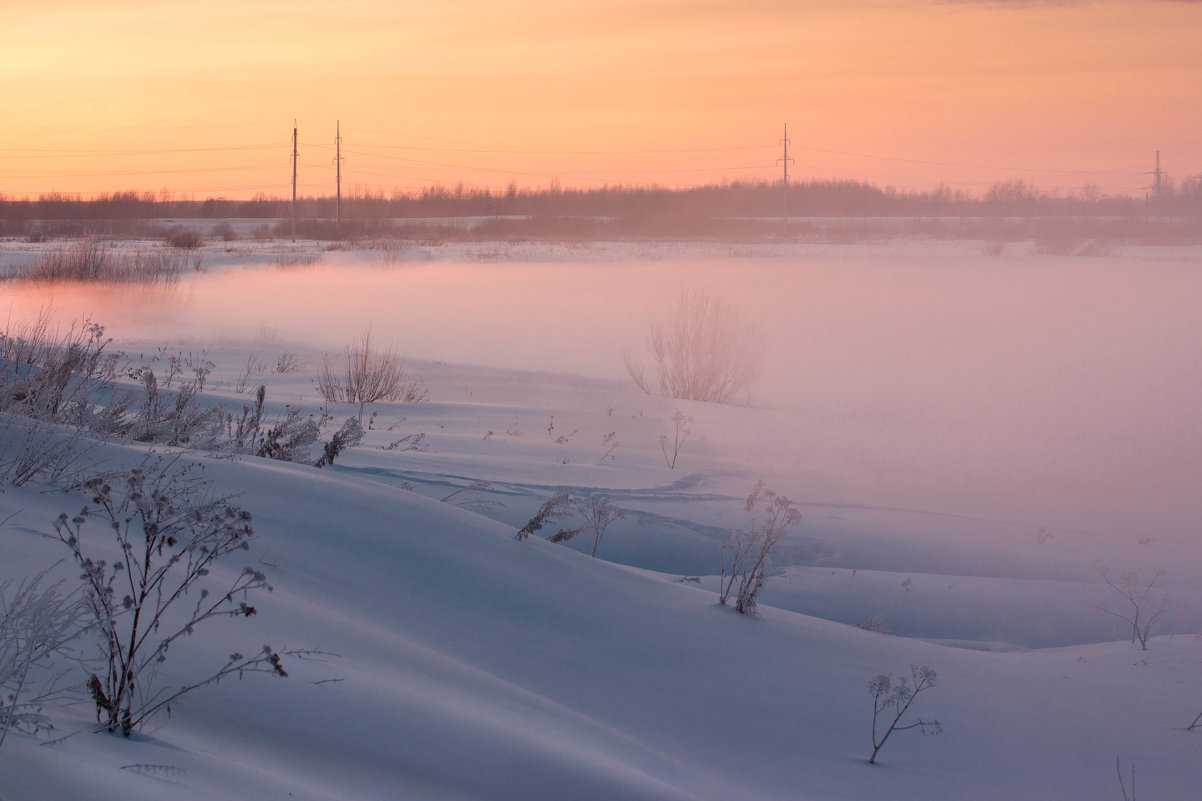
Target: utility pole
x,y
338,172
785,159
294,154
1157,178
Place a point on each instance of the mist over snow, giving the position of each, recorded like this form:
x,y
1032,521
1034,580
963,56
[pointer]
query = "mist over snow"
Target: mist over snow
x,y
968,433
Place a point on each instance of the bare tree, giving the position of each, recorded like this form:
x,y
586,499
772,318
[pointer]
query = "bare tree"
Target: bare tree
x,y
702,351
893,697
369,375
1143,603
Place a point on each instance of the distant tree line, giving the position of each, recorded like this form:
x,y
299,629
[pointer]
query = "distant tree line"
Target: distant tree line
x,y
734,208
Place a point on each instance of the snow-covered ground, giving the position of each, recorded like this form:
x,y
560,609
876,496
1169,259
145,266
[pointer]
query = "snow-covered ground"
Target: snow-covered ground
x,y
471,665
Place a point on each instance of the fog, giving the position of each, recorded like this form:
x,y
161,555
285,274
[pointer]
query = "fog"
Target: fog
x,y
1052,390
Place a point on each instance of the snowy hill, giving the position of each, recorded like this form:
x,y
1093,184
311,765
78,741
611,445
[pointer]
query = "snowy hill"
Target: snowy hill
x,y
459,662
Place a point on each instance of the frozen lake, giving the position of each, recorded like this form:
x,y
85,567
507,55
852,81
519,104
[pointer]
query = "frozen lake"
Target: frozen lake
x,y
1068,386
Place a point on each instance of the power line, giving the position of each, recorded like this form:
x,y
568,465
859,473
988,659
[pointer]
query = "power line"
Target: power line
x,y
657,151
48,153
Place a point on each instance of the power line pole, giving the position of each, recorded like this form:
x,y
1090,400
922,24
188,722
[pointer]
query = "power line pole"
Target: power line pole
x,y
338,167
294,155
785,159
1157,177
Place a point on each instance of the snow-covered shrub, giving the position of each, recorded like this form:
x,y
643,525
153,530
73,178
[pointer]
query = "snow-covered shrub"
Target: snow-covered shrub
x,y
702,351
183,238
1142,602
555,507
892,699
56,378
350,435
35,450
92,261
38,623
169,534
175,417
368,375
877,624
746,556
595,515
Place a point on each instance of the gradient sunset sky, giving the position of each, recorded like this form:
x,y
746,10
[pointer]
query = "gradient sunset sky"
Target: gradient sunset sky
x,y
200,97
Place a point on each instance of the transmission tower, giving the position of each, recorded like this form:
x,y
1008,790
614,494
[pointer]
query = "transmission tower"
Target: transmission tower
x,y
1157,177
294,155
338,181
785,159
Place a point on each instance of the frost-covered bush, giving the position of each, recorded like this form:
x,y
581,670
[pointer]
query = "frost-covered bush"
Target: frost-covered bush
x,y
184,238
703,350
171,540
56,378
38,623
348,436
592,516
1142,602
746,557
368,375
35,450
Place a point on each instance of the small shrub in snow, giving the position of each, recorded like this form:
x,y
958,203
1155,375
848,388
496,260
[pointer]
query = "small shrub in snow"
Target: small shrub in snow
x,y
594,517
702,351
556,506
875,623
33,450
184,238
38,623
368,375
287,363
290,439
1142,602
746,556
169,536
350,435
56,378
595,514
892,699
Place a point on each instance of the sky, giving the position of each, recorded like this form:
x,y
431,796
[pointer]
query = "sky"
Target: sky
x,y
199,98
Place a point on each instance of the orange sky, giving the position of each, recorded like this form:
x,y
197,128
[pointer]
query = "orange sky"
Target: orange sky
x,y
199,97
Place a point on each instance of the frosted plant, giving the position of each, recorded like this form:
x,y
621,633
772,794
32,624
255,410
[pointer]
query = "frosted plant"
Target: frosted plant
x,y
170,535
679,436
368,375
892,699
1142,604
38,623
746,556
596,515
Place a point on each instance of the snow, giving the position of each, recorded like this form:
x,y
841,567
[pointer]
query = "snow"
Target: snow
x,y
464,664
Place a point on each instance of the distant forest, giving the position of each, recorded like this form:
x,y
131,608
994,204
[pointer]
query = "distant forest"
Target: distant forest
x,y
728,210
